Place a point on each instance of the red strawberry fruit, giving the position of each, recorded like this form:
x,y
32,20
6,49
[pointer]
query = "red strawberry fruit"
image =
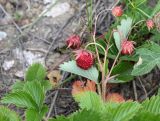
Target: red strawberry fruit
x,y
117,11
74,42
84,59
150,24
127,47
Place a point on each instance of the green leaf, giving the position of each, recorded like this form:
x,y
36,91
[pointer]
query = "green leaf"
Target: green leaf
x,y
123,31
100,50
83,115
89,100
18,85
35,89
147,116
46,85
20,99
71,67
138,2
121,79
123,69
8,115
87,115
156,8
148,60
35,72
152,105
34,115
124,111
61,118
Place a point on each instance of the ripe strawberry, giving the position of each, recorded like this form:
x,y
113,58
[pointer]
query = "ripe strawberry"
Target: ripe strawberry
x,y
74,42
150,24
117,11
127,47
84,59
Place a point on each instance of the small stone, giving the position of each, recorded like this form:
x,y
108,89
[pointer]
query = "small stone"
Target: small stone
x,y
58,9
33,58
19,74
49,1
8,64
9,7
3,35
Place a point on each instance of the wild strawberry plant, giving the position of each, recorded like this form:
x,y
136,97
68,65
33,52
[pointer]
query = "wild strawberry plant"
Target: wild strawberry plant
x,y
128,49
124,52
30,95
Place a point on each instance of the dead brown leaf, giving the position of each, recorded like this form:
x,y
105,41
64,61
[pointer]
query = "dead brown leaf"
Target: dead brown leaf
x,y
54,77
80,87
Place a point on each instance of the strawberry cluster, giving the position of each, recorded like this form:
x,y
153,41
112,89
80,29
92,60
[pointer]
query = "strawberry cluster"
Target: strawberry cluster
x,y
84,59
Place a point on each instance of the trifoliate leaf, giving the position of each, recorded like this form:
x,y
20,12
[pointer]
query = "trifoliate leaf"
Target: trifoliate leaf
x,y
71,67
149,59
20,99
35,72
8,115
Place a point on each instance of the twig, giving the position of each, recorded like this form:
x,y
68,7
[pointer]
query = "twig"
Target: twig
x,y
39,50
56,36
18,28
135,90
149,93
44,40
54,99
52,105
144,89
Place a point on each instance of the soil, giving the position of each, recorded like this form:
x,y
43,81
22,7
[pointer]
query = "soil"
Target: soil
x,y
34,37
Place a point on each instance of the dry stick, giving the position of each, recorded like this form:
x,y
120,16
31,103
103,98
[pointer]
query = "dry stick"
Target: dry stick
x,y
135,90
52,105
20,31
104,82
44,40
94,39
144,89
108,77
150,92
18,28
100,64
37,50
56,36
54,100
